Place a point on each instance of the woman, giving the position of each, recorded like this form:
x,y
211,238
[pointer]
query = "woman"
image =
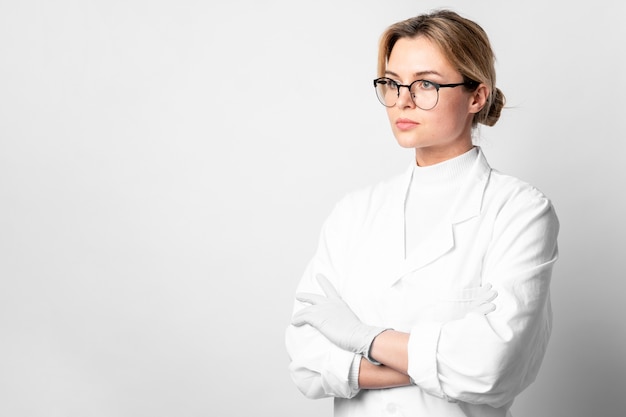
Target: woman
x,y
429,293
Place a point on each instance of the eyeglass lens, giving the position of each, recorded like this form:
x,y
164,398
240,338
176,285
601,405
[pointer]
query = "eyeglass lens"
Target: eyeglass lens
x,y
423,93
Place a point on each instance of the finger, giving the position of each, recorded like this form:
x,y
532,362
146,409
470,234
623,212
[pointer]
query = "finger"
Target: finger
x,y
310,298
302,317
487,293
327,287
490,296
298,320
486,308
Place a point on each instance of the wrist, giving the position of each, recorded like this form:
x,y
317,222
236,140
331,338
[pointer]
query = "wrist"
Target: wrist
x,y
391,349
367,354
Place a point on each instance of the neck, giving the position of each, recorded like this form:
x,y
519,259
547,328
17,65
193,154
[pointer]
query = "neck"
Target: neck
x,y
434,155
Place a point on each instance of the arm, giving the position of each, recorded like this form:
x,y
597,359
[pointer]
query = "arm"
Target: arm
x,y
391,348
334,319
376,377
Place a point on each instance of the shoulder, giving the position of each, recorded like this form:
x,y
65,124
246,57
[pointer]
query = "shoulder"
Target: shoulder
x,y
514,200
505,189
508,188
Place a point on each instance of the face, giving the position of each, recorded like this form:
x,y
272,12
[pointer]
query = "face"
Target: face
x,y
444,131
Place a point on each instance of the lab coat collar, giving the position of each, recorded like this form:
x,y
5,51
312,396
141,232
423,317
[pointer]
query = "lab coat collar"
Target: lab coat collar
x,y
468,204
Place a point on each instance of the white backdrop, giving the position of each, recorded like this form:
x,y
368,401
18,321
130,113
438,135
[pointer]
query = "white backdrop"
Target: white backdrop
x,y
165,167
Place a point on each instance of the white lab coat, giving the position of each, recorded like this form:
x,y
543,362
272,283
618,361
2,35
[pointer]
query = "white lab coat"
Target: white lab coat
x,y
500,231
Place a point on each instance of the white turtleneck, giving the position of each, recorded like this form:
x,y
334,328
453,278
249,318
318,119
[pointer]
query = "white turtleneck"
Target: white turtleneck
x,y
432,192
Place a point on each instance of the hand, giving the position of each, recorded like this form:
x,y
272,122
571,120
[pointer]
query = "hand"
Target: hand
x,y
483,302
335,320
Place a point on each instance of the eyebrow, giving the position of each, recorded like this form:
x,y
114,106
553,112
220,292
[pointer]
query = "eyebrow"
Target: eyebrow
x,y
417,74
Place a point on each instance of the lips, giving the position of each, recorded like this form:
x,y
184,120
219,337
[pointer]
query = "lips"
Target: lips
x,y
406,124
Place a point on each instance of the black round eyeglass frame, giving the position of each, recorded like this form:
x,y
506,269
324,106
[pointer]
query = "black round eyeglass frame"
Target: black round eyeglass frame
x,y
470,84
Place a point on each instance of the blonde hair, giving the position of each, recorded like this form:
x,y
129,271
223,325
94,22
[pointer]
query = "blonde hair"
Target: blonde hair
x,y
463,42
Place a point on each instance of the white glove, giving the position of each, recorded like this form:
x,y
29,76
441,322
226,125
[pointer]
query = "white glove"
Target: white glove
x,y
335,320
483,302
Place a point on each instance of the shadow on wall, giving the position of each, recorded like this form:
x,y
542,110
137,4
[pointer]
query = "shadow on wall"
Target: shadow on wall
x,y
593,366
584,372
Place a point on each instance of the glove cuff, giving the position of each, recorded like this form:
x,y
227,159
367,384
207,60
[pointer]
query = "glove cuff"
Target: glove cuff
x,y
375,331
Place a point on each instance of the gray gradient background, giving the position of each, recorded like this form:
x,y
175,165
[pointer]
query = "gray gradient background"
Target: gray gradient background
x,y
165,167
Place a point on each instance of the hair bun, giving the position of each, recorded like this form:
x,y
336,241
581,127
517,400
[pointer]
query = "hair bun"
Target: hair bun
x,y
491,116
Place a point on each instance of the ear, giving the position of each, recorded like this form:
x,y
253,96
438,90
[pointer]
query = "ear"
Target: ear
x,y
478,98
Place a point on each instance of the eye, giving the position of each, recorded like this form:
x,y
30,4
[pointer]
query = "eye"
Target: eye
x,y
427,85
390,84
387,84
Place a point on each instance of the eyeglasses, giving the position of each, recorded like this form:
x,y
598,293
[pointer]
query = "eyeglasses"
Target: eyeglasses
x,y
424,93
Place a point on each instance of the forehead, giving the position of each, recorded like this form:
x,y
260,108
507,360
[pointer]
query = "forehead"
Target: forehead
x,y
411,56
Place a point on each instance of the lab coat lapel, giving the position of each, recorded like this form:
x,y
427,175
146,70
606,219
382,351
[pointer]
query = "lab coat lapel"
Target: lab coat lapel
x,y
467,205
438,245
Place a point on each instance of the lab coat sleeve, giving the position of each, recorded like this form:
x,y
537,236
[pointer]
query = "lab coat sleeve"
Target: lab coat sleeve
x,y
318,367
490,359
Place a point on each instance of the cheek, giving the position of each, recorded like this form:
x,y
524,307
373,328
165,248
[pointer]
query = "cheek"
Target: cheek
x,y
452,114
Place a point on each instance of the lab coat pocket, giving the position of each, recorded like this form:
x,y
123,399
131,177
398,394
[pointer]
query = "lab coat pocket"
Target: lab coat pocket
x,y
455,304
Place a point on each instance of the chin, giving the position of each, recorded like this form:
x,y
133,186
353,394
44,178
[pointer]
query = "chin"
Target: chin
x,y
409,143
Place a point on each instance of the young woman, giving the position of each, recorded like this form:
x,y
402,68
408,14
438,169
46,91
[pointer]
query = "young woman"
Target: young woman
x,y
429,293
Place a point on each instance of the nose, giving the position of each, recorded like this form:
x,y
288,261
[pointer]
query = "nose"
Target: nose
x,y
404,98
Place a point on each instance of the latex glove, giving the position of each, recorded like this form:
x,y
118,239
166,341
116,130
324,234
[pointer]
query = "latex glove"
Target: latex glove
x,y
335,320
483,301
